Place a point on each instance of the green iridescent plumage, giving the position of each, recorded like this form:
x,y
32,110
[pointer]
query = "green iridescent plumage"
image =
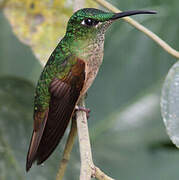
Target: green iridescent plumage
x,y
73,40
69,72
58,65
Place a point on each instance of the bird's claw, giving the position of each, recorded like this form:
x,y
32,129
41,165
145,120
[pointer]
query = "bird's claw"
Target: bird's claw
x,y
87,110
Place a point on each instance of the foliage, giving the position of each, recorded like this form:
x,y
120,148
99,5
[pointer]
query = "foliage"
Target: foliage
x,y
169,103
39,24
129,140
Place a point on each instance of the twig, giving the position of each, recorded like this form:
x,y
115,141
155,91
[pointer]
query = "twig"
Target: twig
x,y
88,169
85,147
67,150
141,28
101,175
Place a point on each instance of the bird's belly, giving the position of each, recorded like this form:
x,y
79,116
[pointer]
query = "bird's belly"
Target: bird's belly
x,y
94,59
91,71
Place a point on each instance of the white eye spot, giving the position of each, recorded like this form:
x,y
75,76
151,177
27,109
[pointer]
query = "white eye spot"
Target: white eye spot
x,y
83,22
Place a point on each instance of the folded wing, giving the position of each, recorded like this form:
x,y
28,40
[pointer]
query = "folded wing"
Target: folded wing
x,y
64,96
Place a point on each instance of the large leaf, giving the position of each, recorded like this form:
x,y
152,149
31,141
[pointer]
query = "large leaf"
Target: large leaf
x,y
135,144
15,114
15,130
170,103
39,24
15,58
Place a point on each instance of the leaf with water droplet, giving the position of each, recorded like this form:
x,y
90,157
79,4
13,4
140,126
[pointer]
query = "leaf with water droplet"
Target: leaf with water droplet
x,y
170,103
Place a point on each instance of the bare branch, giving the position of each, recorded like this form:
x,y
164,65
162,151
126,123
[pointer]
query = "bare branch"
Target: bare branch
x,y
141,28
101,175
88,169
85,147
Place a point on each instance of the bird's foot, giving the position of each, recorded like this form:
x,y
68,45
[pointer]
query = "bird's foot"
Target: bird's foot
x,y
79,108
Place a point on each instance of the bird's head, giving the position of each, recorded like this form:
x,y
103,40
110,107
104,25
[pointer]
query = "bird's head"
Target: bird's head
x,y
89,22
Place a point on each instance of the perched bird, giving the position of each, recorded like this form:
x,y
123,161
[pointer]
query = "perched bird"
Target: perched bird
x,y
69,72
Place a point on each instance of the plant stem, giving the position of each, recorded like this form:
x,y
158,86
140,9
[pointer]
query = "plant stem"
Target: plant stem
x,y
84,142
101,175
141,28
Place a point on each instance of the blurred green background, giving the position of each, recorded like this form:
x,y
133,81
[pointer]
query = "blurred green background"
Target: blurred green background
x,y
128,137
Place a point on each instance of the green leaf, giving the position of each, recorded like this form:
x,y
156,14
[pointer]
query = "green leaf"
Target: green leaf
x,y
15,58
40,24
131,143
15,113
170,103
16,123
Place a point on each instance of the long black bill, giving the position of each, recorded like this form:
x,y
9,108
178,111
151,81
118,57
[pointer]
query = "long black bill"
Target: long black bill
x,y
131,13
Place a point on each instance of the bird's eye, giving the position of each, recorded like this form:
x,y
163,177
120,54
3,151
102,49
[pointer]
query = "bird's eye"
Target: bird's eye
x,y
89,22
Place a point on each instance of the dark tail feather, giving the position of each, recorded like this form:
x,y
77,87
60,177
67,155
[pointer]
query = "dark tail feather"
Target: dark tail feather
x,y
34,143
32,150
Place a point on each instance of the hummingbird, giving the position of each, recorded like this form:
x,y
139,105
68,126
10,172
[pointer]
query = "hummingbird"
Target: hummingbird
x,y
66,77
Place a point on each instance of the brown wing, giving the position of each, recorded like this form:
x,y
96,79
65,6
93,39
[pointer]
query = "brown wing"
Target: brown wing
x,y
64,96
